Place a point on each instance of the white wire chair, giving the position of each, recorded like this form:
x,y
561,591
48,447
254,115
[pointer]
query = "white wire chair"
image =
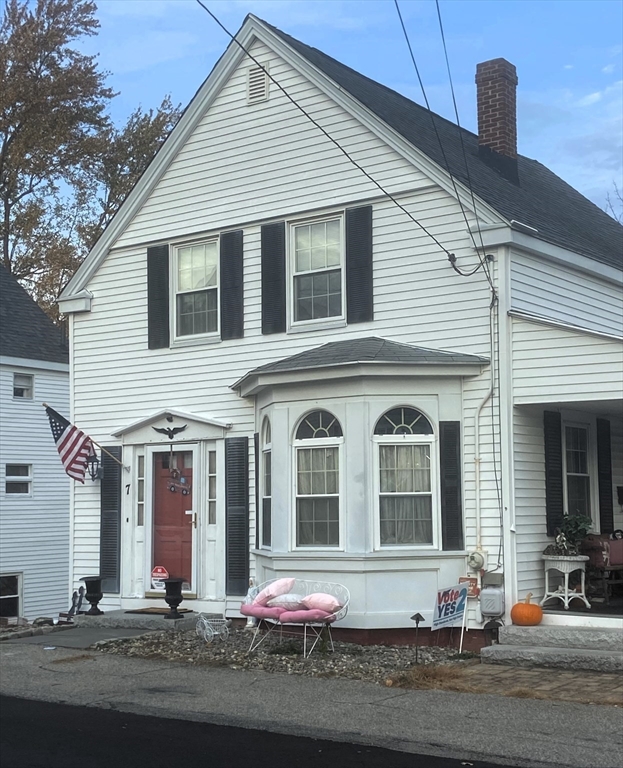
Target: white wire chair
x,y
312,629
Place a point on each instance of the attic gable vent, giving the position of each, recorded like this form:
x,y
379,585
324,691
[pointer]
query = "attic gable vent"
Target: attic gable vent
x,y
257,85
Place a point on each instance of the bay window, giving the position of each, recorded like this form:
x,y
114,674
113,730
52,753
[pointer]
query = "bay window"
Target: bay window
x,y
405,481
317,457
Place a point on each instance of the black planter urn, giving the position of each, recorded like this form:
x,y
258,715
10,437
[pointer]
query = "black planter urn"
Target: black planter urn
x,y
93,594
173,596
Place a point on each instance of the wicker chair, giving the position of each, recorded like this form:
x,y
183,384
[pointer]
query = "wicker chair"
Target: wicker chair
x,y
312,628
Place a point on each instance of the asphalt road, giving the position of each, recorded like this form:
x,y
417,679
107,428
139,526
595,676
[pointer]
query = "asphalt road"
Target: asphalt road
x,y
37,734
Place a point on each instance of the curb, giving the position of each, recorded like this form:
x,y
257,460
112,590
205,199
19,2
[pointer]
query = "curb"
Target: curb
x,y
33,631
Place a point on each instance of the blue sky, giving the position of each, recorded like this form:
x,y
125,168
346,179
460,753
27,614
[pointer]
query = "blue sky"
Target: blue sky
x,y
568,55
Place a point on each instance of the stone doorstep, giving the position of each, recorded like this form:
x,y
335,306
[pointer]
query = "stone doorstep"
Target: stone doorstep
x,y
588,638
122,620
550,656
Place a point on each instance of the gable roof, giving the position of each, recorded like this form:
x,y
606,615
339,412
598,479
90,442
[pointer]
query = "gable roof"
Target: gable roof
x,y
372,349
541,199
25,330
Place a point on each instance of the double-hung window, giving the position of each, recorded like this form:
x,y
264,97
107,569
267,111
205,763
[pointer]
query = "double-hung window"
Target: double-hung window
x,y
405,481
317,270
196,274
266,525
577,463
23,386
317,466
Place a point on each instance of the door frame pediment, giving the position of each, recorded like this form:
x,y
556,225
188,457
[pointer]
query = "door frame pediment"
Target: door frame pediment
x,y
172,425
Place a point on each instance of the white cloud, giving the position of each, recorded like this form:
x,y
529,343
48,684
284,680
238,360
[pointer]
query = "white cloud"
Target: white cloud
x,y
591,98
608,70
568,66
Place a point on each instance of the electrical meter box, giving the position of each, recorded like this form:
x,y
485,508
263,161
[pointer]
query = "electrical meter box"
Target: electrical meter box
x,y
492,601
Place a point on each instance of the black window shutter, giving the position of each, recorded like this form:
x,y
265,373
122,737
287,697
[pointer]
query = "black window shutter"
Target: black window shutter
x,y
158,296
232,302
554,503
604,476
274,278
359,286
110,520
256,446
450,474
237,515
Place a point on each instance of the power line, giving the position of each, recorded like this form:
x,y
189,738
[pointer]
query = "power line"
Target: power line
x,y
445,159
387,194
458,122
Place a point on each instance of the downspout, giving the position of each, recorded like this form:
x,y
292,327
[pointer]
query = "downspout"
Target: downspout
x,y
484,401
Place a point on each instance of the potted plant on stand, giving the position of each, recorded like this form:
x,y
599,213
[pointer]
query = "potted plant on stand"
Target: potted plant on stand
x,y
563,556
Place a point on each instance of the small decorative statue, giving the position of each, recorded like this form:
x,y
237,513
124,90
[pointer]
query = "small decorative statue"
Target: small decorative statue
x,y
249,598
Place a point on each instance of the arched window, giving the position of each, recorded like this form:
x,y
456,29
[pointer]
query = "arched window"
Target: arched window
x,y
317,444
266,486
406,466
403,421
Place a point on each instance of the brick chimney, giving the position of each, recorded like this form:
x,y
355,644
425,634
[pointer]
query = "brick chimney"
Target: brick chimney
x,y
496,86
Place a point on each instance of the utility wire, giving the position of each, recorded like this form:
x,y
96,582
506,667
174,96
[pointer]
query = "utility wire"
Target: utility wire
x,y
387,194
458,122
445,159
493,326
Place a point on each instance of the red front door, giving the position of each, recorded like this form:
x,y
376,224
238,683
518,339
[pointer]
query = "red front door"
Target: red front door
x,y
173,527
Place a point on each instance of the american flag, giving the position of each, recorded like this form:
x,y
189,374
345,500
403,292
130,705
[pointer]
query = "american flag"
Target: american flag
x,y
74,447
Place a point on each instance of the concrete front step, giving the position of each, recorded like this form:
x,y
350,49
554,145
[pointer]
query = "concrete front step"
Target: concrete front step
x,y
591,639
550,656
124,620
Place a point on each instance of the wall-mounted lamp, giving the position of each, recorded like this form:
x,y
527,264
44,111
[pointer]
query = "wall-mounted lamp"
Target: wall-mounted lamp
x,y
94,467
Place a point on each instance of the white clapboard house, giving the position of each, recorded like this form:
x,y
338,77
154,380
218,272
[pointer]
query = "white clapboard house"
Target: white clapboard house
x,y
34,489
299,381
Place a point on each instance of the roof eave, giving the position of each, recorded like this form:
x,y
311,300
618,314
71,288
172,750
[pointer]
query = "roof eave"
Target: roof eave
x,y
255,381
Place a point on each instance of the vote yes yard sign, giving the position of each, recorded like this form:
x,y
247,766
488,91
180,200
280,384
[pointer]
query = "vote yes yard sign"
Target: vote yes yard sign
x,y
450,606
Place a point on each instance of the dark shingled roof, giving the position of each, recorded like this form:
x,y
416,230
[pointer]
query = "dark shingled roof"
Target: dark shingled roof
x,y
541,199
25,330
370,350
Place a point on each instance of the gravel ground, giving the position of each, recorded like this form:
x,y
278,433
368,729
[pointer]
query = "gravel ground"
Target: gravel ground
x,y
374,663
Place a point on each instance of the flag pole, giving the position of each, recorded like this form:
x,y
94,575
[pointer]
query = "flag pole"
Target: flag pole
x,y
102,449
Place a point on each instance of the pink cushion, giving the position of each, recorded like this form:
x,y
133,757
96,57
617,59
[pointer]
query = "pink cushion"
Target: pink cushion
x,y
322,601
300,617
279,587
261,611
616,552
290,602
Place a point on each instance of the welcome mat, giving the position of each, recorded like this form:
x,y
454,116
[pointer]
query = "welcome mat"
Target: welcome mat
x,y
158,611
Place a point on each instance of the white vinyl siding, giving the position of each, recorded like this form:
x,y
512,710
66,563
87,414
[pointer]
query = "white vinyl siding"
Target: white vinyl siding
x,y
565,294
558,365
34,527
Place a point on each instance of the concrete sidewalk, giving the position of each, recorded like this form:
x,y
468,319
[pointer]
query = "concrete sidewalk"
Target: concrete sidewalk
x,y
512,731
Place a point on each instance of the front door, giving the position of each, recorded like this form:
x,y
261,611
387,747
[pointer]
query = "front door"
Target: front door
x,y
174,519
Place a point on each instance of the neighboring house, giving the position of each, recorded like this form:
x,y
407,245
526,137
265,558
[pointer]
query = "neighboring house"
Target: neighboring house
x,y
296,379
34,489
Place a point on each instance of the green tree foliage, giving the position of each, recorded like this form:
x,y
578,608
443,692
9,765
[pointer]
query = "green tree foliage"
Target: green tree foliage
x,y
65,169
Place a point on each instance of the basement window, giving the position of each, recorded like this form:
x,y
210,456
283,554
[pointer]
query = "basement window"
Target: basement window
x,y
9,597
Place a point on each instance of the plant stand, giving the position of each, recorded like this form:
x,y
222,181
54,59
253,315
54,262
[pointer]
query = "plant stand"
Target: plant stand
x,y
566,564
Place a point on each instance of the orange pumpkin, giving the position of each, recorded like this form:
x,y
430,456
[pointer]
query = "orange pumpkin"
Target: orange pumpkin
x,y
526,614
